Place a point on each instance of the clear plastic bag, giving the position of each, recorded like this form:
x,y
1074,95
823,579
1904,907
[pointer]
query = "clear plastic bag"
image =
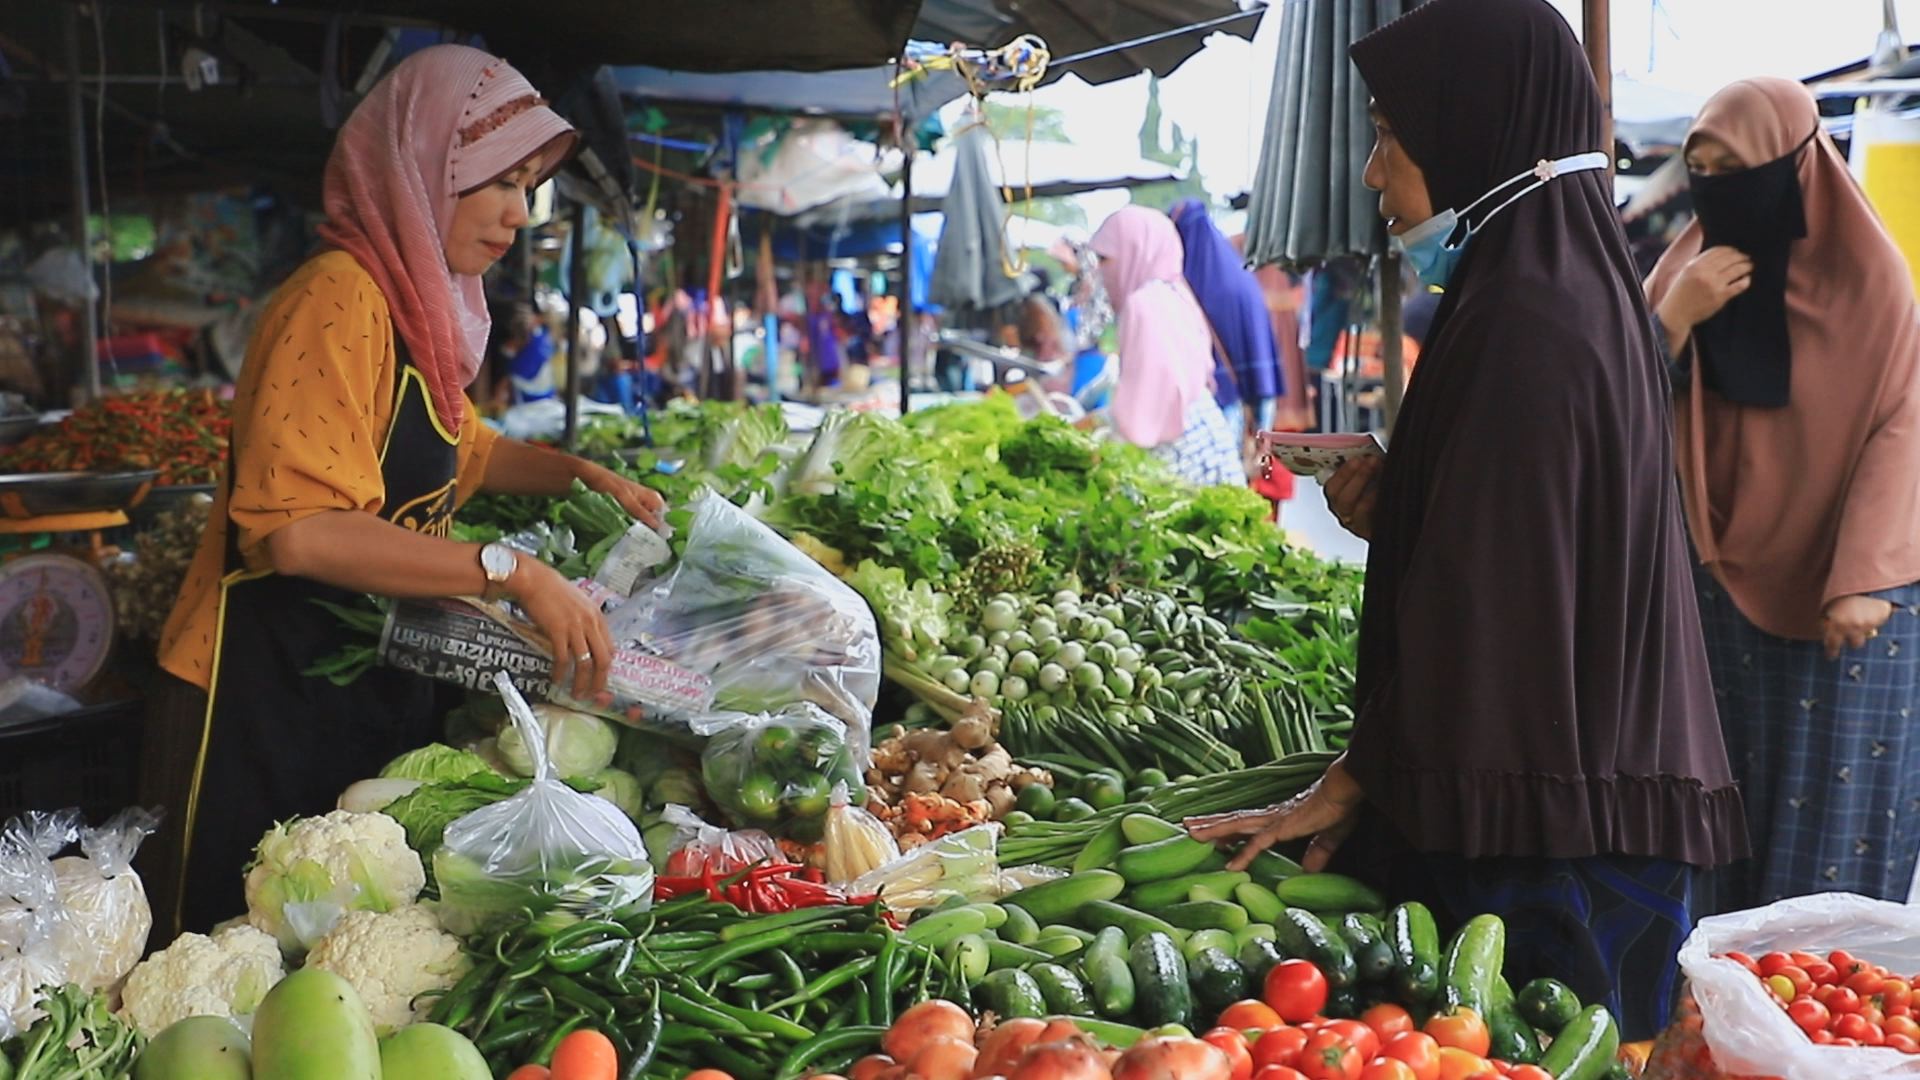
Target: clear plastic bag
x,y
29,926
546,848
965,863
856,842
766,623
699,847
779,769
1745,1027
106,918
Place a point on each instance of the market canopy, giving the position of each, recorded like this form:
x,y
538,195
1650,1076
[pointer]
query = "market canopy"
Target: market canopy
x,y
1070,27
854,93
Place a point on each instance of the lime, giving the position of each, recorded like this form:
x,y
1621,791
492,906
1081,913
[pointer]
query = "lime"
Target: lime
x,y
1072,810
1139,794
773,741
1036,799
1150,778
1017,817
807,797
1097,780
759,798
1104,792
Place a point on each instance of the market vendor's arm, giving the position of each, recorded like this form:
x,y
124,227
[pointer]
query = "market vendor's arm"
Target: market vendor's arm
x,y
1327,811
517,468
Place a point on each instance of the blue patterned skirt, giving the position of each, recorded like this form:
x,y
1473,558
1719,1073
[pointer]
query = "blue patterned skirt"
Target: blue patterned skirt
x,y
1825,751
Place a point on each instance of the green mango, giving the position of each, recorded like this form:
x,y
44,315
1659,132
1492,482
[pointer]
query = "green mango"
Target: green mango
x,y
432,1052
197,1048
313,1026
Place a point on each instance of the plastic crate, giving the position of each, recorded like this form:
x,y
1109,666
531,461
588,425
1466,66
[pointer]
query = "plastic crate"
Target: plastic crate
x,y
89,759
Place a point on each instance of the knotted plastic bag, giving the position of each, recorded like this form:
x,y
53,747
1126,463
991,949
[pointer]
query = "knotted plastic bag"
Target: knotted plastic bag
x,y
106,916
778,770
699,847
30,957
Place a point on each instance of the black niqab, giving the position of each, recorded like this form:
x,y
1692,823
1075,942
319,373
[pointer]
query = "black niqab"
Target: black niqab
x,y
1532,679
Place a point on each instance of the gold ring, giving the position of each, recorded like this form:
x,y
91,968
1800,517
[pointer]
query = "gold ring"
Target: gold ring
x,y
1871,634
583,658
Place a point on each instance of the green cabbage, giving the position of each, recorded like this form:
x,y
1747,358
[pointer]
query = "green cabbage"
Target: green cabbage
x,y
620,788
577,744
433,763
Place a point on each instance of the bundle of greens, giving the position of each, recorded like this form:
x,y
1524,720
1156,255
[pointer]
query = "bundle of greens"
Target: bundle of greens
x,y
79,1038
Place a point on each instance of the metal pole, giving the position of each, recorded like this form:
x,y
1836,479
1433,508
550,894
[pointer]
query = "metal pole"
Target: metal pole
x,y
1597,35
1392,333
77,155
906,318
576,288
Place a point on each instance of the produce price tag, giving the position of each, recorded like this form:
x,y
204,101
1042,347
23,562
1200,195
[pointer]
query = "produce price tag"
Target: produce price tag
x,y
1318,456
464,641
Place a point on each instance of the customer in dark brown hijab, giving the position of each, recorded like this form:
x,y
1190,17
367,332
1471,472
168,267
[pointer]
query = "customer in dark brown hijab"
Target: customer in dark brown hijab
x,y
1536,734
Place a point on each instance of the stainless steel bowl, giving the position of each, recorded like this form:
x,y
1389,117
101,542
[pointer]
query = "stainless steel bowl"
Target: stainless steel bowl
x,y
26,495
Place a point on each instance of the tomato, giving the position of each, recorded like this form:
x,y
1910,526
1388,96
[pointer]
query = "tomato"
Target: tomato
x,y
1296,990
1852,1026
1873,1014
1250,1015
1902,1009
1327,1056
1823,1037
1822,973
1278,1047
1230,1042
1530,1072
1387,1069
1773,962
1461,1029
1906,1044
1278,1072
1802,982
1418,1050
1781,987
1809,1014
1743,960
1896,992
1867,983
1358,1035
1458,1064
1902,1025
1824,993
1843,1001
1847,1042
1843,962
1387,1020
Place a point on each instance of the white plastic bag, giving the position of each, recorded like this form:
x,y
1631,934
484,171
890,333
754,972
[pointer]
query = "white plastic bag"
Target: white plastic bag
x,y
546,848
29,922
106,917
699,847
1745,1027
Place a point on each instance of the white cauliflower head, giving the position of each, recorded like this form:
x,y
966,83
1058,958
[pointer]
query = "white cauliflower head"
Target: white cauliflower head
x,y
391,958
223,975
307,871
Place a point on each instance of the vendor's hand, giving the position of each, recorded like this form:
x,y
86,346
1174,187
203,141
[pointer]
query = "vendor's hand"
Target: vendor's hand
x,y
1353,491
634,497
572,623
1327,811
1852,621
1704,286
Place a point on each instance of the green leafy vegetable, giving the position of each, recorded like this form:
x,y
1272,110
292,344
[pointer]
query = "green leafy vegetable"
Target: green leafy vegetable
x,y
434,762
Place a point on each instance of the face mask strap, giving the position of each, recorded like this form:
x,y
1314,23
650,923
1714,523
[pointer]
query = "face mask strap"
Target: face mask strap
x,y
1542,173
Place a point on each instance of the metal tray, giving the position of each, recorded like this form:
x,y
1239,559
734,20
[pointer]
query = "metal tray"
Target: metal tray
x,y
27,495
15,428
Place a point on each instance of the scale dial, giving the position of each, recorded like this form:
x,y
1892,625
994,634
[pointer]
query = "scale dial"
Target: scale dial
x,y
56,621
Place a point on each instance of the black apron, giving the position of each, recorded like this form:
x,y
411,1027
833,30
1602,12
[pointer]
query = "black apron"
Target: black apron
x,y
278,743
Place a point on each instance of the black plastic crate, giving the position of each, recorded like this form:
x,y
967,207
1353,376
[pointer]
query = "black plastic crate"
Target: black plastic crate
x,y
89,759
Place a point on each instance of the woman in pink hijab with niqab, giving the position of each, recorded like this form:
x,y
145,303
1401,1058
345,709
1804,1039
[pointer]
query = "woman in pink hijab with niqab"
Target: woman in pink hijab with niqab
x,y
354,443
1164,399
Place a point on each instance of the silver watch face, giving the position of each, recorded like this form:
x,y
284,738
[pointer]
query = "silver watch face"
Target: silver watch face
x,y
498,562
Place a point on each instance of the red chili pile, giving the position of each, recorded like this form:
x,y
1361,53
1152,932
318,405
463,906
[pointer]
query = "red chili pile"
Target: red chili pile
x,y
1839,1000
182,433
761,890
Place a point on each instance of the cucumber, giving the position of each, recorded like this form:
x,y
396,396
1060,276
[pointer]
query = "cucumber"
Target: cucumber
x,y
1054,901
1336,893
970,958
1371,953
1020,926
1473,960
1205,915
1013,993
1147,829
1257,957
1202,940
943,929
996,915
1260,901
1099,852
1162,859
1304,935
1160,978
1101,914
1585,1049
1548,1004
1005,954
1270,868
1217,981
1159,894
1416,953
1513,1039
1060,946
1263,931
1212,888
1109,973
1062,990
1118,1036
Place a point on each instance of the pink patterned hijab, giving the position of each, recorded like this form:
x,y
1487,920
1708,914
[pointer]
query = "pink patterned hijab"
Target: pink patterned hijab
x,y
447,120
1166,350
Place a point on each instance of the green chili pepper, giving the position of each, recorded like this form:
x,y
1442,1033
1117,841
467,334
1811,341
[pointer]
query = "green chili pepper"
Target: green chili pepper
x,y
800,1056
544,1055
576,960
838,977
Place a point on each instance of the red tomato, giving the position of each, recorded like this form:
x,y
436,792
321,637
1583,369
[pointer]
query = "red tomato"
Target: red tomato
x,y
1249,1015
1823,1037
1802,982
1773,962
1296,990
1230,1042
1418,1050
1279,1072
1809,1014
1327,1056
1530,1072
1387,1020
1843,962
1902,1009
1902,1025
1852,1026
1906,1044
1847,1042
1872,1014
1895,993
1824,993
1387,1069
1743,960
1843,1001
1461,1029
1867,983
1358,1035
1457,1064
1823,973
1278,1047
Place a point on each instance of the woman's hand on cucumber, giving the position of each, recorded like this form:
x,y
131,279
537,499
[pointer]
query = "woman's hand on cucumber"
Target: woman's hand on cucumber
x,y
572,623
1327,811
635,498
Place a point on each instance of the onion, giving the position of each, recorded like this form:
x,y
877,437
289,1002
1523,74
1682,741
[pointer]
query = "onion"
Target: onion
x,y
1004,1043
870,1066
922,1024
1172,1059
1069,1059
943,1058
1059,1028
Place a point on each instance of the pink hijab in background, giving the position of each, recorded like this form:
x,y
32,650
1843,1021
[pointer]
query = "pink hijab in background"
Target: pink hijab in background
x,y
447,120
1166,350
1793,508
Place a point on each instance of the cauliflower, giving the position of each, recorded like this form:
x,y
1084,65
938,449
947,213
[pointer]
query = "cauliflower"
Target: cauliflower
x,y
391,958
309,870
223,975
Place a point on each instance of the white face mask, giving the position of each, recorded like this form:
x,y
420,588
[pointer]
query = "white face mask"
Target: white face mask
x,y
1425,245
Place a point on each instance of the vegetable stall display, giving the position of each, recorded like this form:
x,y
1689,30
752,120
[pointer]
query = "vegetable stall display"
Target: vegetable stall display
x,y
181,433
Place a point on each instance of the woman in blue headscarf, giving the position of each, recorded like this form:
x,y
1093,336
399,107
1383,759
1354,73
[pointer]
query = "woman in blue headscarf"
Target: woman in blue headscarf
x,y
1247,379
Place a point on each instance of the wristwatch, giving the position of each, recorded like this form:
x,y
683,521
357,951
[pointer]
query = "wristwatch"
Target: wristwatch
x,y
499,562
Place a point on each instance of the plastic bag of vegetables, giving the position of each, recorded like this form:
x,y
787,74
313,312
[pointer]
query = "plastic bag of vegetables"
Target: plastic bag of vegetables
x,y
544,849
106,917
699,847
768,625
779,769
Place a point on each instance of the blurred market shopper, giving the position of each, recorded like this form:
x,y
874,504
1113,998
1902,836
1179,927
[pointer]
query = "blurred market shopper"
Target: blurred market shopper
x,y
1791,316
353,446
1236,310
1164,400
1536,734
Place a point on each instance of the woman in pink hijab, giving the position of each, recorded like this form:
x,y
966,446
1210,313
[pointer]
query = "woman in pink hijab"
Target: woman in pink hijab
x,y
353,445
1790,316
1164,399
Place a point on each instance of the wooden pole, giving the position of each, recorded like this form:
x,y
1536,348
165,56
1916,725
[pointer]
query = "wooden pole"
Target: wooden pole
x,y
906,319
1598,38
